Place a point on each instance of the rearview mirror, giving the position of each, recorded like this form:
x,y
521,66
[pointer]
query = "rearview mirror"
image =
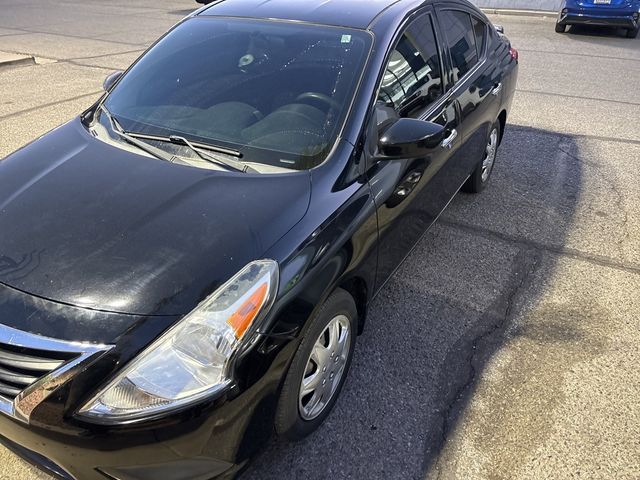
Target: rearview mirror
x,y
111,80
410,138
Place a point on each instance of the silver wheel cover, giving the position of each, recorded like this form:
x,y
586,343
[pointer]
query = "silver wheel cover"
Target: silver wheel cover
x,y
325,367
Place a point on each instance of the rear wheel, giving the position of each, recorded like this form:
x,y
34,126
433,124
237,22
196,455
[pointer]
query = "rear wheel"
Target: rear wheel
x,y
318,369
633,32
480,176
560,28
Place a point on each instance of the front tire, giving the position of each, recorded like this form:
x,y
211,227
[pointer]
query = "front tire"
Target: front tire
x,y
560,28
319,368
633,32
482,173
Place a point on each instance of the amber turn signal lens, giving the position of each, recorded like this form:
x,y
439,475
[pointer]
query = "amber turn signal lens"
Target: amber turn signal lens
x,y
242,318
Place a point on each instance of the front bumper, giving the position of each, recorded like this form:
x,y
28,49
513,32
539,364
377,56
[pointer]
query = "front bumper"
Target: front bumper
x,y
213,439
209,441
588,17
202,451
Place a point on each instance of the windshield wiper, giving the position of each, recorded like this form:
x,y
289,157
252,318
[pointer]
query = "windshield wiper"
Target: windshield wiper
x,y
134,138
117,128
225,162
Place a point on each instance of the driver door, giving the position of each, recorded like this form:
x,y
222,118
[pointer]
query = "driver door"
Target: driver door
x,y
411,193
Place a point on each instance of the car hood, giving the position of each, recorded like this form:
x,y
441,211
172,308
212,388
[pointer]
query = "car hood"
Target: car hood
x,y
89,224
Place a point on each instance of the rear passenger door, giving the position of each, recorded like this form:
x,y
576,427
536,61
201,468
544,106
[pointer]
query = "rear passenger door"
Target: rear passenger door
x,y
474,79
410,194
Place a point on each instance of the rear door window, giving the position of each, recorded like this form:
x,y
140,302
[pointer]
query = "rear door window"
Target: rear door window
x,y
461,40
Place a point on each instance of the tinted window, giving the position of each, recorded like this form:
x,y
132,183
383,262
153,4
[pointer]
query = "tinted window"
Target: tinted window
x,y
276,91
461,41
480,31
412,79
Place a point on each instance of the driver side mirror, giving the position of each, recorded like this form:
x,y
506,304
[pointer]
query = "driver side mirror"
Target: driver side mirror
x,y
408,138
111,79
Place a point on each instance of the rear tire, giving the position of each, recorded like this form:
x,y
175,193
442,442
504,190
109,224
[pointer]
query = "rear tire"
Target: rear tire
x,y
322,363
560,28
482,173
633,32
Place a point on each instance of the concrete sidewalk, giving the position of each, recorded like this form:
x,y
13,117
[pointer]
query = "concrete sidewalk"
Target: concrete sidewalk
x,y
535,5
525,13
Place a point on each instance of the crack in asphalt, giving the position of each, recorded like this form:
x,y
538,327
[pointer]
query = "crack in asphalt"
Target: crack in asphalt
x,y
51,104
626,141
577,97
99,67
551,133
91,57
619,197
75,60
26,31
595,259
525,264
574,54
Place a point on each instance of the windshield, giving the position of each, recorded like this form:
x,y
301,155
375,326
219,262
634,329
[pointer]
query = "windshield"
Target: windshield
x,y
277,92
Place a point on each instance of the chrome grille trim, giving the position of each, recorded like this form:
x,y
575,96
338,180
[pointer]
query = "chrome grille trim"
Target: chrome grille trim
x,y
44,375
28,362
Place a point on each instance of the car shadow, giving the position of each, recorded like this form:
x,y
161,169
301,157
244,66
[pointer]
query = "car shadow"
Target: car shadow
x,y
591,31
442,317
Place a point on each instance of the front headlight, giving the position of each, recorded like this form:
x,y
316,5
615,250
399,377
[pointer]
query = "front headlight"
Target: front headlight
x,y
192,359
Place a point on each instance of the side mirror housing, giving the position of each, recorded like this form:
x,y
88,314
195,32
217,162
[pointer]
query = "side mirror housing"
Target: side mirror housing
x,y
408,138
111,79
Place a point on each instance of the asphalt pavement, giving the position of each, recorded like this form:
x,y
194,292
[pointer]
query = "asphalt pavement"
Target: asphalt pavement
x,y
506,346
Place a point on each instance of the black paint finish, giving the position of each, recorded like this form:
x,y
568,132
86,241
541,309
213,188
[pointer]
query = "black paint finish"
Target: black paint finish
x,y
99,244
345,13
100,227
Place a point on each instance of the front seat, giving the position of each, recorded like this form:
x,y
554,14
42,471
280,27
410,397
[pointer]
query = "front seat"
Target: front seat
x,y
295,128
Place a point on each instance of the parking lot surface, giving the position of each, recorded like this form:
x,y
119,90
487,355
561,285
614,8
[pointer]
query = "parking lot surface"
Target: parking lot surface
x,y
506,347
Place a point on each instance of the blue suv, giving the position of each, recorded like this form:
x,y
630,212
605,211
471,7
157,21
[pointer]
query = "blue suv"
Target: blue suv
x,y
612,13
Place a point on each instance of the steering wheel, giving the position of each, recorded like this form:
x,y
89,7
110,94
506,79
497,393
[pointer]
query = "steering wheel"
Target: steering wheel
x,y
318,97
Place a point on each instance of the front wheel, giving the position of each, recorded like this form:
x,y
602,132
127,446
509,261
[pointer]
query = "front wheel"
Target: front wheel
x,y
560,28
633,32
318,369
480,176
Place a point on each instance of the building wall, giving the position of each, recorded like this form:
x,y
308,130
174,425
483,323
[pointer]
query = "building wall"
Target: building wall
x,y
546,5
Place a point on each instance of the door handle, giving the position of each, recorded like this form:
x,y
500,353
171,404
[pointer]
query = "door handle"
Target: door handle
x,y
497,89
448,142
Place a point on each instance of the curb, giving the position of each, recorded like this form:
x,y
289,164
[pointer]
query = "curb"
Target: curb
x,y
522,13
12,59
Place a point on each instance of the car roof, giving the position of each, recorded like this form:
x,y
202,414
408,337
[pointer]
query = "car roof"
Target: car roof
x,y
344,13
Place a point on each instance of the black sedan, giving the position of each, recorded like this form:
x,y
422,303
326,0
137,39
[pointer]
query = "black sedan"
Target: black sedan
x,y
185,267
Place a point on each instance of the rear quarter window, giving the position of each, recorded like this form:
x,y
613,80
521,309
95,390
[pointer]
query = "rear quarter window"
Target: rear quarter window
x,y
480,33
